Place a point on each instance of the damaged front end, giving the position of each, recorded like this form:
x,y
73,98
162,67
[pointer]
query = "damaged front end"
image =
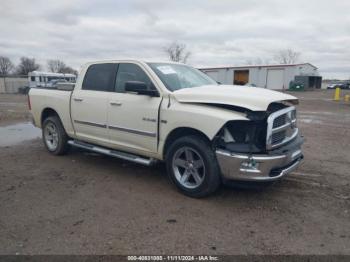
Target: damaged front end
x,y
264,148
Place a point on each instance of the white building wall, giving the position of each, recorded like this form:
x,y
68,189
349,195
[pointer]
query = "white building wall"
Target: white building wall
x,y
288,76
12,84
229,76
306,70
258,74
213,74
253,75
262,77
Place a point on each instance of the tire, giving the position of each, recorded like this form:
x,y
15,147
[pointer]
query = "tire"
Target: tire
x,y
192,166
54,136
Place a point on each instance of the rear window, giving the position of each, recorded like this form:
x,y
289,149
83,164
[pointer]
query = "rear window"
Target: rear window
x,y
100,77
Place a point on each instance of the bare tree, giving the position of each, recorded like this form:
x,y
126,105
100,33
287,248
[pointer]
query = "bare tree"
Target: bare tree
x,y
58,66
55,66
27,65
6,66
177,52
249,61
257,61
68,70
287,56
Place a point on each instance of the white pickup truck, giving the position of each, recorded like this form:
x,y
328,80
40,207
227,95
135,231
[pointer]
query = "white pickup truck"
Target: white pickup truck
x,y
148,112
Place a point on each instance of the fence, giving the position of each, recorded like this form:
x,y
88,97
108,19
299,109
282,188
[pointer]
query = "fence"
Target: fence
x,y
12,84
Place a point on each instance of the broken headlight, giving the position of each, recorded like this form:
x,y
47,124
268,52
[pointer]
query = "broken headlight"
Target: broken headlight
x,y
243,136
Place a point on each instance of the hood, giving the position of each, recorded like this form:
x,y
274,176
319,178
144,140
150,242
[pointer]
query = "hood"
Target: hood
x,y
252,98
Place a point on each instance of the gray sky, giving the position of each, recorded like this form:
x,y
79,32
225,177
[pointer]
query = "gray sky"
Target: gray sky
x,y
224,32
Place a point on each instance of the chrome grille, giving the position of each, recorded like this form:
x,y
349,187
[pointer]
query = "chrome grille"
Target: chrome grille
x,y
279,121
278,137
281,127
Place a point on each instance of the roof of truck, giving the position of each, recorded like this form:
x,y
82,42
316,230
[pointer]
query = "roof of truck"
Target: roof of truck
x,y
132,60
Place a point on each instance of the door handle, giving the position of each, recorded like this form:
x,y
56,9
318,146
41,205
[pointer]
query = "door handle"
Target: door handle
x,y
116,103
78,99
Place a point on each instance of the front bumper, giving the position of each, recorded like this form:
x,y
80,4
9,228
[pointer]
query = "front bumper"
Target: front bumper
x,y
264,168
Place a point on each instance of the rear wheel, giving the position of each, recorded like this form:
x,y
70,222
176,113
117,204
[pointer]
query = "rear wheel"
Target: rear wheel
x,y
54,136
192,166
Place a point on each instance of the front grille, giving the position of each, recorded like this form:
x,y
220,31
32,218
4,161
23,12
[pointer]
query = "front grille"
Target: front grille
x,y
279,121
281,127
278,137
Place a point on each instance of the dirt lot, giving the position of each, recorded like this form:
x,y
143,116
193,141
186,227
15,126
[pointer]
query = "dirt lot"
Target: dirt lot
x,y
13,108
85,203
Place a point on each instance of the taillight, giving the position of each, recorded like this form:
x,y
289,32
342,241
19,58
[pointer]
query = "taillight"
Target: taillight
x,y
29,105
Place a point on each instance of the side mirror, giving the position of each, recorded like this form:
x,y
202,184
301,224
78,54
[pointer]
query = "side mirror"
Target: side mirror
x,y
140,88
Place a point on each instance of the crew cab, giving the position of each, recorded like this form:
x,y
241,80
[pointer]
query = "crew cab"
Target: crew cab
x,y
148,112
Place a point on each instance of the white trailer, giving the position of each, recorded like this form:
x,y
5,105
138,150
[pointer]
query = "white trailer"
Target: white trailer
x,y
44,79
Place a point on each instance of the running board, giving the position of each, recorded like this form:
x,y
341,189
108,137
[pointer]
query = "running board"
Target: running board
x,y
114,153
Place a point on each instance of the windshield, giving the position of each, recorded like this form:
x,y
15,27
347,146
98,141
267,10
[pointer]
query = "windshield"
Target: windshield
x,y
177,76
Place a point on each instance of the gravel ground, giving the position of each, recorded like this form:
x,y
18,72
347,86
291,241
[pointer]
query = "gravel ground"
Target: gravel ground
x,y
85,203
13,108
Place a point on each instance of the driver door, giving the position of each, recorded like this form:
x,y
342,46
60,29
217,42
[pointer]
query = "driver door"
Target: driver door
x,y
133,118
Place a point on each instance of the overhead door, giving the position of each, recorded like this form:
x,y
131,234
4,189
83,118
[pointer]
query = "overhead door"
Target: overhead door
x,y
241,77
275,79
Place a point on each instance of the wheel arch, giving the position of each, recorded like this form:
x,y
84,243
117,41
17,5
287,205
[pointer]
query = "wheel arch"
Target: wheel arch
x,y
181,132
47,112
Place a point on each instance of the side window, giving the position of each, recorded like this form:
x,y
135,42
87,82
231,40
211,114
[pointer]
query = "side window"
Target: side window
x,y
131,72
100,77
32,78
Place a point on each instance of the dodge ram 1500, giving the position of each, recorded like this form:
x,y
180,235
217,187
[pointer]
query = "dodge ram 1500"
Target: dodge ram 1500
x,y
162,111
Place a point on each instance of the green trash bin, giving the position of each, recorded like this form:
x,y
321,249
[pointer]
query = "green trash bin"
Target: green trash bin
x,y
295,86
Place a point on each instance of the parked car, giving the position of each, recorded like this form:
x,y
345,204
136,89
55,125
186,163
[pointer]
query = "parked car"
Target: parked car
x,y
346,85
340,85
296,86
149,112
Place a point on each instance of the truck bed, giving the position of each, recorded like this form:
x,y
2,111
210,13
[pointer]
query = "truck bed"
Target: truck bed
x,y
54,99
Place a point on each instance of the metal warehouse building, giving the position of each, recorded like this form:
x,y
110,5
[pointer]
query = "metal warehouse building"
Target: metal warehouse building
x,y
267,76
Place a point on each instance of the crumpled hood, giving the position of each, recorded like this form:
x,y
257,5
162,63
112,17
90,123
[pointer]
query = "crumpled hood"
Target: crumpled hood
x,y
252,98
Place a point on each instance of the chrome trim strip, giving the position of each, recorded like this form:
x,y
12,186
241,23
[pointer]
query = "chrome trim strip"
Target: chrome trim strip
x,y
133,131
90,123
119,128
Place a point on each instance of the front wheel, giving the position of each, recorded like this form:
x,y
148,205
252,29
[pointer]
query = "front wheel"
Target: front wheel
x,y
54,136
192,166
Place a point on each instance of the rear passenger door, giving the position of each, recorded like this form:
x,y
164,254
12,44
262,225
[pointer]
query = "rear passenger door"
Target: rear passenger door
x,y
133,118
89,104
